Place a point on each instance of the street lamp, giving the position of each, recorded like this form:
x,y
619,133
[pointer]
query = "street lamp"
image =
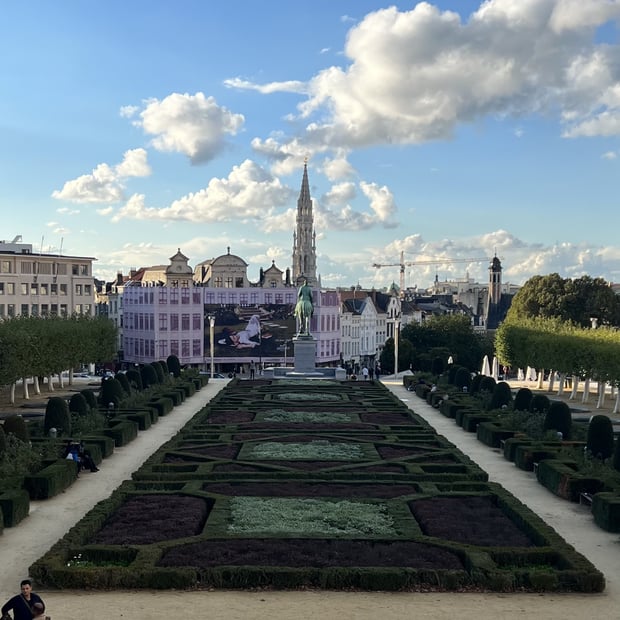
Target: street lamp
x,y
211,326
396,338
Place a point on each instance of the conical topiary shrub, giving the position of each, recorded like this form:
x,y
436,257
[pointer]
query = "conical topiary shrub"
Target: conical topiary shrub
x,y
452,370
57,416
135,379
16,425
111,391
462,378
2,441
474,388
600,441
437,366
122,379
149,376
174,366
91,399
539,403
559,419
159,370
616,461
78,404
164,367
502,395
523,398
487,384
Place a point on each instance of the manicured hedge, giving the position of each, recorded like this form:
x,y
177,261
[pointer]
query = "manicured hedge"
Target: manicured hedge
x,y
121,431
606,511
14,506
52,479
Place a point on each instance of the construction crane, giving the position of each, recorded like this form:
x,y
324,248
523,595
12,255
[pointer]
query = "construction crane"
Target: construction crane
x,y
438,261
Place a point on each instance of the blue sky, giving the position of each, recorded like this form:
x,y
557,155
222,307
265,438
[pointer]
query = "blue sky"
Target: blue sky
x,y
444,130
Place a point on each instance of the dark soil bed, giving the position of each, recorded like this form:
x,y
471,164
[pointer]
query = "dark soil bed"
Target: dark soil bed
x,y
310,552
308,489
145,519
230,417
387,418
308,466
216,452
471,520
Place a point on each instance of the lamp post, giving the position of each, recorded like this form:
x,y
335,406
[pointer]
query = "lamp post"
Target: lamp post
x,y
396,338
211,326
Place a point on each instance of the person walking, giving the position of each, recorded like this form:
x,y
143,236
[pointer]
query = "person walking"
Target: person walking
x,y
22,605
252,369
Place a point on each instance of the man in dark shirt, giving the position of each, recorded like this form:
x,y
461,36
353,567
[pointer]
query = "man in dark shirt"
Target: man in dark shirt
x,y
21,604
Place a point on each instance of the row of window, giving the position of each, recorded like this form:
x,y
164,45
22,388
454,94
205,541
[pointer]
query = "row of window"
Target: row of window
x,y
246,299
164,295
11,310
44,268
145,348
44,289
172,322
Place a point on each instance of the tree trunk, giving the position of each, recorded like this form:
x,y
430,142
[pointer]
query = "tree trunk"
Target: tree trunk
x,y
601,394
617,403
586,391
575,385
12,393
551,381
541,378
25,386
50,383
561,382
36,385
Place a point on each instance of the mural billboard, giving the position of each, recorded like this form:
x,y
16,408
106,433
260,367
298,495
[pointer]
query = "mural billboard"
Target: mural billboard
x,y
250,331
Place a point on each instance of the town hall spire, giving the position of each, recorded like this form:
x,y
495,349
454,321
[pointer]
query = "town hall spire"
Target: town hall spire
x,y
304,238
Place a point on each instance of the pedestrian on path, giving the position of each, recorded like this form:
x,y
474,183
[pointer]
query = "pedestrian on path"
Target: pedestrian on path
x,y
22,605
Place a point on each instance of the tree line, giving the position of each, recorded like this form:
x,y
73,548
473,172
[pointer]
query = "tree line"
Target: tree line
x,y
42,346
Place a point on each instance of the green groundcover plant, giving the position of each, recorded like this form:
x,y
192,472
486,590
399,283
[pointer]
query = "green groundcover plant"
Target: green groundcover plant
x,y
260,515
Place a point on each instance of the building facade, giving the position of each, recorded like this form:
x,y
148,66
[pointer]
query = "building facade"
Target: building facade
x,y
38,284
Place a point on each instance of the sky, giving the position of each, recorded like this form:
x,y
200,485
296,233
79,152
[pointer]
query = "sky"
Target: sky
x,y
447,130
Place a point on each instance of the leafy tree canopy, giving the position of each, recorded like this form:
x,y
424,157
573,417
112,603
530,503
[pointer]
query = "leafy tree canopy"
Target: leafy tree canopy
x,y
573,300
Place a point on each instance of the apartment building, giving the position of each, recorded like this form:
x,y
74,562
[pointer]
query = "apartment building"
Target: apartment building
x,y
39,284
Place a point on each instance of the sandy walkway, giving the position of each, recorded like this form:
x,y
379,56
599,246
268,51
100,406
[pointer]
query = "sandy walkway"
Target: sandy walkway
x,y
49,520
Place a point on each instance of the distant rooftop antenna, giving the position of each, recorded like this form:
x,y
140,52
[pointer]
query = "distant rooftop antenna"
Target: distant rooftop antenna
x,y
62,239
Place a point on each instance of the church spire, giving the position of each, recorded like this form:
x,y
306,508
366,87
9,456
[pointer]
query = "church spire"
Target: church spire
x,y
304,238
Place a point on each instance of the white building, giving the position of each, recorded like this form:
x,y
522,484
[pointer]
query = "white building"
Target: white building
x,y
38,284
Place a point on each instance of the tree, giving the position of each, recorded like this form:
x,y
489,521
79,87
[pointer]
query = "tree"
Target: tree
x,y
452,334
575,301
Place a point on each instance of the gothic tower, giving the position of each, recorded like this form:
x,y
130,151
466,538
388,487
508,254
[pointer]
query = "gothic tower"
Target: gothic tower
x,y
304,239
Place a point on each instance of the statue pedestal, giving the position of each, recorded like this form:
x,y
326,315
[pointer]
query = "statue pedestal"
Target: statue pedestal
x,y
305,353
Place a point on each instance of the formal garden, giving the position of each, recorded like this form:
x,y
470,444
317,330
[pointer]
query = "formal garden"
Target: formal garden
x,y
576,457
86,427
312,483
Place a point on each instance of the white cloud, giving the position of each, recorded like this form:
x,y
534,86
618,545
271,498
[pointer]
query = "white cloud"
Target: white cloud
x,y
381,202
339,194
290,86
127,111
337,167
194,125
105,184
67,211
248,193
286,157
414,76
610,155
521,260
